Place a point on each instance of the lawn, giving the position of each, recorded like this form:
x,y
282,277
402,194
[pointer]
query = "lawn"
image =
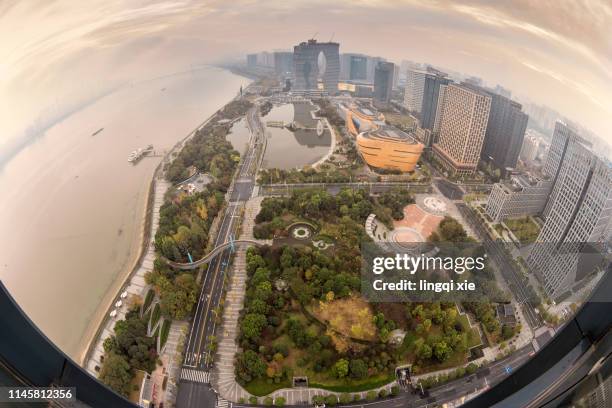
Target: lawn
x,y
349,316
525,229
263,386
399,120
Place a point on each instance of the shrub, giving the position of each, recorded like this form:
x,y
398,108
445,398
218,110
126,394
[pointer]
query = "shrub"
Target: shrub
x,y
331,400
268,401
371,396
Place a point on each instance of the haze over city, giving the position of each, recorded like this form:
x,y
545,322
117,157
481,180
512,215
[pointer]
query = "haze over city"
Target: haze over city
x,y
245,203
57,55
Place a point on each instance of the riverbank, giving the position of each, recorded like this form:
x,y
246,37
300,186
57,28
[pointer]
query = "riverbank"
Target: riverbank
x,y
102,319
101,324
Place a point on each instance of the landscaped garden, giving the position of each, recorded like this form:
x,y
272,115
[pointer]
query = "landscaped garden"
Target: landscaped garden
x,y
525,229
185,221
304,315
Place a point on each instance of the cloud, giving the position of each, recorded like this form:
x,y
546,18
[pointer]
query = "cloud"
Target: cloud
x,y
49,47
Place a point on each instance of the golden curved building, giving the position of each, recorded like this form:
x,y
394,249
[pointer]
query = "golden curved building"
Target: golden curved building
x,y
380,145
389,148
360,118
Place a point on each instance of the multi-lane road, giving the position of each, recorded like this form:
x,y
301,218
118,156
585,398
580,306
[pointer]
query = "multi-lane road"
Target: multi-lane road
x,y
455,390
514,278
194,390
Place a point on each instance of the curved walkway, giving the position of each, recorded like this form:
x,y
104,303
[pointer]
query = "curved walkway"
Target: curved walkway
x,y
216,251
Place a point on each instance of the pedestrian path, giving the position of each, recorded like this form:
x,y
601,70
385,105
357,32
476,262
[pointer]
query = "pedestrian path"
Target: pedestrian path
x,y
221,403
224,380
189,374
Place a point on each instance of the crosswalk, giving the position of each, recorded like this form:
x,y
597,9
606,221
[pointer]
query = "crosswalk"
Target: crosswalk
x,y
221,403
195,375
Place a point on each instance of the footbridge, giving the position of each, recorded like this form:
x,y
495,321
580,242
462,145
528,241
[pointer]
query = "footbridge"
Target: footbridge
x,y
216,251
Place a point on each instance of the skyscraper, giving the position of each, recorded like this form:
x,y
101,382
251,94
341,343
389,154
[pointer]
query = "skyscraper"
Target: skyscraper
x,y
372,63
306,65
431,91
396,76
353,67
462,129
251,60
580,213
283,63
531,144
383,84
439,111
505,132
562,136
358,68
413,95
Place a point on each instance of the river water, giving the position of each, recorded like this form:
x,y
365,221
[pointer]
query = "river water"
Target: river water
x,y
72,207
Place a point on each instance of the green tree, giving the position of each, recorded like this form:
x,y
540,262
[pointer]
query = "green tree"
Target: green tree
x,y
178,297
252,325
249,365
358,368
442,351
424,352
341,368
116,373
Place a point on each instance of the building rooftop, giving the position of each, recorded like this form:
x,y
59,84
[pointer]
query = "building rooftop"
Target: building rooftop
x,y
391,134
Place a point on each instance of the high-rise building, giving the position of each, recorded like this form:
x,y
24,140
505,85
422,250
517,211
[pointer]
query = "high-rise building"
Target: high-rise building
x,y
396,76
500,90
521,195
473,80
283,63
505,132
251,60
306,65
265,59
531,146
562,137
372,63
463,127
413,94
353,67
580,214
431,90
358,68
383,84
439,111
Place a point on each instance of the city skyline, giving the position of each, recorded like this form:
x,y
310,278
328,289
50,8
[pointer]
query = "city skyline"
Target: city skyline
x,y
523,48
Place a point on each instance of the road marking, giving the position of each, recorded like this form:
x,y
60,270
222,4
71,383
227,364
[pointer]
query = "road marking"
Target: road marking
x,y
214,281
195,376
221,403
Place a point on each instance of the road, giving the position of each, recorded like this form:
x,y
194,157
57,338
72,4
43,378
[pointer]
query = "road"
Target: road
x,y
515,279
334,188
212,254
480,381
194,389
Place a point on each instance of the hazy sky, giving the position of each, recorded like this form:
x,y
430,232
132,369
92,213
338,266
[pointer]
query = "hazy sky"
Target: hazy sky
x,y
54,54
